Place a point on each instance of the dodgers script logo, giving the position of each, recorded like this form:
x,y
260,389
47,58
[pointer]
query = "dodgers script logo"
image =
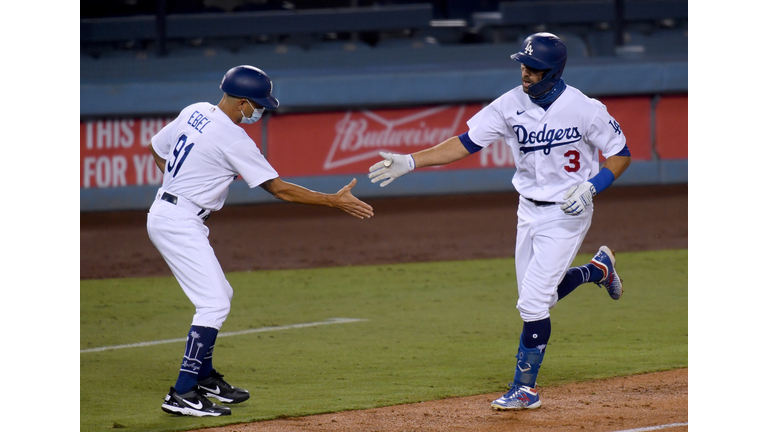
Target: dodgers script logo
x,y
549,137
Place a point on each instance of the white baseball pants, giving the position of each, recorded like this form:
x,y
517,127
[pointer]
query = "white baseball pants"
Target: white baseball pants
x,y
547,243
181,237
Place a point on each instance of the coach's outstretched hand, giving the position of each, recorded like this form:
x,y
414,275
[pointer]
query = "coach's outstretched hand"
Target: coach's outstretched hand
x,y
344,200
392,167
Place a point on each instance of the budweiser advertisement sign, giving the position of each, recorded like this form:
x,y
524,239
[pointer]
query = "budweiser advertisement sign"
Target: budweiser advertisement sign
x,y
350,142
114,153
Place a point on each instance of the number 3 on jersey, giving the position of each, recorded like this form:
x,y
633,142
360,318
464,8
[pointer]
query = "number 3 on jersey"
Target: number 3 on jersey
x,y
181,145
573,161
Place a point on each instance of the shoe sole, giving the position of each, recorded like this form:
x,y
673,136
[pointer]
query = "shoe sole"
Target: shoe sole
x,y
615,273
503,408
190,412
621,281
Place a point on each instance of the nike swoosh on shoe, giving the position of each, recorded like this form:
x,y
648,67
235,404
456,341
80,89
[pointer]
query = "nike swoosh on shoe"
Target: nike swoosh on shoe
x,y
198,405
217,391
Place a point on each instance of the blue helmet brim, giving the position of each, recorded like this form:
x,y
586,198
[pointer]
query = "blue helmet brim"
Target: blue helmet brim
x,y
269,102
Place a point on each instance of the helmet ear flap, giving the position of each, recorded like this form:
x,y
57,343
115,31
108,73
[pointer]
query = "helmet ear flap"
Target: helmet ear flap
x,y
548,81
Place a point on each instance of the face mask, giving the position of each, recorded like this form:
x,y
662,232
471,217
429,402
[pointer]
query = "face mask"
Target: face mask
x,y
254,118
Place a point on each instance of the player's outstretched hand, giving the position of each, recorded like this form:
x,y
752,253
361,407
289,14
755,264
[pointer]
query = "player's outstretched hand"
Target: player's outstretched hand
x,y
578,198
344,200
392,167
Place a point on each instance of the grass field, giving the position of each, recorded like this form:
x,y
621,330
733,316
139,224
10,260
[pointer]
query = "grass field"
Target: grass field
x,y
429,331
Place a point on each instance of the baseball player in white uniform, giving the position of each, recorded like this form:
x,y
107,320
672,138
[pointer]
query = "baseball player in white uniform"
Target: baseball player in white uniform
x,y
201,153
555,133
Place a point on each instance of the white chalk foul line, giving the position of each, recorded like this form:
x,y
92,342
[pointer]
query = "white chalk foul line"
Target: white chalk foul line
x,y
236,333
651,428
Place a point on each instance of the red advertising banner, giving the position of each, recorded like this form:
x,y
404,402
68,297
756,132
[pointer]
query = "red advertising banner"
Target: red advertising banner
x,y
114,153
634,116
672,127
350,142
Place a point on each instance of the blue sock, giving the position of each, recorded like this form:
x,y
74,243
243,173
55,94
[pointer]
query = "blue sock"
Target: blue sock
x,y
199,342
536,333
576,276
207,366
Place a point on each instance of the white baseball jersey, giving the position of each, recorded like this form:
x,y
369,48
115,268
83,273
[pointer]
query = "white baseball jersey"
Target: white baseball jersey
x,y
205,152
553,149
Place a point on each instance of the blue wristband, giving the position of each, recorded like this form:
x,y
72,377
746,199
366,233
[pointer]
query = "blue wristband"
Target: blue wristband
x,y
602,180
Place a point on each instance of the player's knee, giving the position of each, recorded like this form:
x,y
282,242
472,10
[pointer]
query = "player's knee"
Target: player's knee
x,y
553,301
211,316
533,312
223,313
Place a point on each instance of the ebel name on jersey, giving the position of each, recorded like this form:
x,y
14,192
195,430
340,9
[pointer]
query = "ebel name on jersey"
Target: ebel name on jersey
x,y
549,137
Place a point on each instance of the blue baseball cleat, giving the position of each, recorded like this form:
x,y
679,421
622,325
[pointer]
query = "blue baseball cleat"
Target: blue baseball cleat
x,y
606,261
518,398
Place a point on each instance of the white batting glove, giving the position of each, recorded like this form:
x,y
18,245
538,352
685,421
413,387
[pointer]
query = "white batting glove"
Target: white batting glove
x,y
392,167
578,198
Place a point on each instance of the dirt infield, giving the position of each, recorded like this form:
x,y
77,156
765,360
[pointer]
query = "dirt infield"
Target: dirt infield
x,y
598,406
282,236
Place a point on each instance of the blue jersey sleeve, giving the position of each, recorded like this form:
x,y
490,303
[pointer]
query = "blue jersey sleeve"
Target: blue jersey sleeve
x,y
468,144
624,152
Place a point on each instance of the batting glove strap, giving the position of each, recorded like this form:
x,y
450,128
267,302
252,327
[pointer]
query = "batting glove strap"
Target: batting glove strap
x,y
392,167
578,198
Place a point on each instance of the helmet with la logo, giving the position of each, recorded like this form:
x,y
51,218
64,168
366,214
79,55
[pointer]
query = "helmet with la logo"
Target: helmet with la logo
x,y
543,51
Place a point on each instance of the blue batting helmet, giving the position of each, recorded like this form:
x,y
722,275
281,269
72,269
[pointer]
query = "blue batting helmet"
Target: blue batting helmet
x,y
250,83
543,51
